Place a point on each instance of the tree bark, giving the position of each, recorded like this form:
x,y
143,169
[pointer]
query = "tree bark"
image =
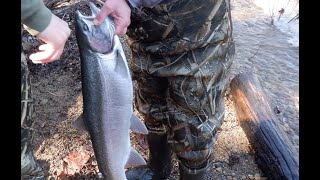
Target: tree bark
x,y
276,155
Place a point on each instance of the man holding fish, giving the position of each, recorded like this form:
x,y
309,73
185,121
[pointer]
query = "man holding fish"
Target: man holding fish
x,y
182,51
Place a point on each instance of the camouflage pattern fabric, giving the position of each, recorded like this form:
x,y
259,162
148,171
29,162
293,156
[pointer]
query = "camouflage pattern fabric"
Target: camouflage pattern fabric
x,y
181,56
29,167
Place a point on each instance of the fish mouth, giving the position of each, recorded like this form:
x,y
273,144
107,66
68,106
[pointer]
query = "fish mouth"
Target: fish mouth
x,y
88,20
94,11
79,15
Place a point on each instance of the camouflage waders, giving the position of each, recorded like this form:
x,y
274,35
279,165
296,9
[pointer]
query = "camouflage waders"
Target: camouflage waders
x,y
29,167
182,53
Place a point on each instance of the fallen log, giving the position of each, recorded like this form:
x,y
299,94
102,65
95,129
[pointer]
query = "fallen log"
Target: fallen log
x,y
276,155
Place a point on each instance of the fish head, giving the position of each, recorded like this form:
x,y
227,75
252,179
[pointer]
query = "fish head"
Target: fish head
x,y
97,38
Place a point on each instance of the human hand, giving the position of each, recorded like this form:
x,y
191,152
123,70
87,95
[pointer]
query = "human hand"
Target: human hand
x,y
119,10
55,37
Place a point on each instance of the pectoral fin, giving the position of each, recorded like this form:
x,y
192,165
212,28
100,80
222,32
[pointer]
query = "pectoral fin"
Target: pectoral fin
x,y
79,124
137,125
135,159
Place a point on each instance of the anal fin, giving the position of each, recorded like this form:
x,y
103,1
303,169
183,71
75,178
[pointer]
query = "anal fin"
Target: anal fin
x,y
79,124
135,159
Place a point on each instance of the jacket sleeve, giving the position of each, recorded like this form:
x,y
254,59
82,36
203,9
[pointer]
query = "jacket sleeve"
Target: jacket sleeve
x,y
35,16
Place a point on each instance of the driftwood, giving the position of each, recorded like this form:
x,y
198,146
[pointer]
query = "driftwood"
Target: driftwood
x,y
276,155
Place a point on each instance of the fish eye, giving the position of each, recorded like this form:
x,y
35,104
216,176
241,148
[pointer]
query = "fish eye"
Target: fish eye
x,y
85,27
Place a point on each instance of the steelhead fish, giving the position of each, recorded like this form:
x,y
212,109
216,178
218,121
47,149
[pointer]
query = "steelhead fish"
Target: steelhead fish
x,y
107,96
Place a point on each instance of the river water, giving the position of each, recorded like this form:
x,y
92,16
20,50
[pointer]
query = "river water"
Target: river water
x,y
268,46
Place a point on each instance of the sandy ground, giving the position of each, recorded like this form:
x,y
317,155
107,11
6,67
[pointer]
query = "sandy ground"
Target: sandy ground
x,y
66,153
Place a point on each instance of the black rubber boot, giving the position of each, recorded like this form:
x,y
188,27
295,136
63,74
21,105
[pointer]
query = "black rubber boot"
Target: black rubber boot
x,y
30,169
159,165
159,154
